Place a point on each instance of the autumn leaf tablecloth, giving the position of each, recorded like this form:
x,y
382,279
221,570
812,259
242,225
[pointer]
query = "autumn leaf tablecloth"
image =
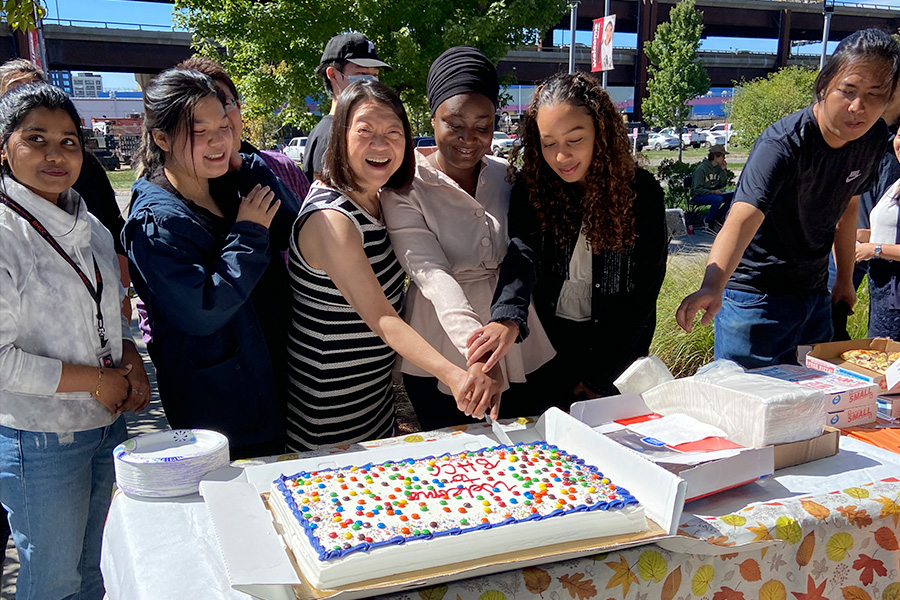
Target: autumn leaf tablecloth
x,y
842,545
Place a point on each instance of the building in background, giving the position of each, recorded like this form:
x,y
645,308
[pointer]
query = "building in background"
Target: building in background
x,y
62,80
86,85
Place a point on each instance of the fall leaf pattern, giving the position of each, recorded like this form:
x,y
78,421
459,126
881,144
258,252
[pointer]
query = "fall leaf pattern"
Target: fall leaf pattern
x,y
815,509
838,546
787,529
855,516
652,566
623,575
580,588
889,508
701,580
750,570
537,580
853,592
805,551
434,593
772,590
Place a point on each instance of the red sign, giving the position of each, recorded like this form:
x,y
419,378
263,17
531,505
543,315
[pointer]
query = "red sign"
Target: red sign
x,y
601,43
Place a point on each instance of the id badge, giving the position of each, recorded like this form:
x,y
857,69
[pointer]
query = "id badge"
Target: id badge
x,y
104,357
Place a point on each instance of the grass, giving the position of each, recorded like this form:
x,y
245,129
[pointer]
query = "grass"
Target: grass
x,y
121,179
683,353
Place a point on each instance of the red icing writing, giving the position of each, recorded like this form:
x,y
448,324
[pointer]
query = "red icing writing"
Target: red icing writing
x,y
473,488
463,467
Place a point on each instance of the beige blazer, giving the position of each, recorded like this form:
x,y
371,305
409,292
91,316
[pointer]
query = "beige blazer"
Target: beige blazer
x,y
451,245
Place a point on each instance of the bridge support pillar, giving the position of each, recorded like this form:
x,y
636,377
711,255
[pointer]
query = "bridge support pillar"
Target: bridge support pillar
x,y
648,19
784,39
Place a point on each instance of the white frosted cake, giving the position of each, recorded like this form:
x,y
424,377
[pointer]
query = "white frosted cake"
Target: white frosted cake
x,y
359,523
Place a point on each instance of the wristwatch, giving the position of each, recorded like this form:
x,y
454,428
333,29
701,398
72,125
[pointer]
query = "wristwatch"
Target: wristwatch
x,y
877,250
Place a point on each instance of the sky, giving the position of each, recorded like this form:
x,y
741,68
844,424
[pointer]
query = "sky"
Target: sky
x,y
80,12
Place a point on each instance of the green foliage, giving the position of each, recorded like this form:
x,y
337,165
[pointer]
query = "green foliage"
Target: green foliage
x,y
675,74
22,15
671,174
759,103
271,49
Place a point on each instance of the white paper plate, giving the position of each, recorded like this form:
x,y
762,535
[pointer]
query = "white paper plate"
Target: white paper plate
x,y
168,463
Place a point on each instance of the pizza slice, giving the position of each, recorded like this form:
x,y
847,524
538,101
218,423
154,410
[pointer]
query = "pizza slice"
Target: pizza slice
x,y
874,360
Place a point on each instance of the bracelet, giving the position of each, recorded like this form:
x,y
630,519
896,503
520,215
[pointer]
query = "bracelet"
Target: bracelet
x,y
96,393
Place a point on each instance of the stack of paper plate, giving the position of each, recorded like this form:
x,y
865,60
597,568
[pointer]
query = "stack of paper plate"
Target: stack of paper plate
x,y
168,463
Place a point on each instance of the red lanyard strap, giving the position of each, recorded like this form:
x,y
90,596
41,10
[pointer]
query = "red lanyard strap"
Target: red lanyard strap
x,y
96,293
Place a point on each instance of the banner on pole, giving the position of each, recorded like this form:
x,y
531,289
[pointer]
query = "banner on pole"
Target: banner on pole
x,y
601,43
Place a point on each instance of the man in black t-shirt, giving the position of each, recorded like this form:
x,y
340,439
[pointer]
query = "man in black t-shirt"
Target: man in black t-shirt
x,y
798,194
347,58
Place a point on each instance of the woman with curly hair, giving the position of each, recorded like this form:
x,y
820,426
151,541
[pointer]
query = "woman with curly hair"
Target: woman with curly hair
x,y
594,224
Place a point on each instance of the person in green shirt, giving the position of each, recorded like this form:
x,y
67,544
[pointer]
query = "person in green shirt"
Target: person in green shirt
x,y
708,183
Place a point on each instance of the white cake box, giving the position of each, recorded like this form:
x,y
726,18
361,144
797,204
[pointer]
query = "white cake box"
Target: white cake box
x,y
842,392
858,415
722,471
257,563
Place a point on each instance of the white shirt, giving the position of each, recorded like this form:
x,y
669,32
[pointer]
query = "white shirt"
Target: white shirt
x,y
451,245
883,220
47,316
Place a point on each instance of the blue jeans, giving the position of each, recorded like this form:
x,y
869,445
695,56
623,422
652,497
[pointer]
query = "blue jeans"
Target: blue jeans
x,y
758,330
718,204
57,489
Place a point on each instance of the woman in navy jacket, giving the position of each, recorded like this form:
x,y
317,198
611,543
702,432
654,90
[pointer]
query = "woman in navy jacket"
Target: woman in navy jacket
x,y
207,264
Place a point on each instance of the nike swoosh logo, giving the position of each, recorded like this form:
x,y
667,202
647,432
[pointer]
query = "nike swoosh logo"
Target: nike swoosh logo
x,y
852,176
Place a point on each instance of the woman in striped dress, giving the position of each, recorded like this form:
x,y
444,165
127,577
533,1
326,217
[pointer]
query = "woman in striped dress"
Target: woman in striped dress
x,y
347,287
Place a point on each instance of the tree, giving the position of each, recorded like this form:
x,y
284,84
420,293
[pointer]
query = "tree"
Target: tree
x,y
675,74
759,103
22,15
272,48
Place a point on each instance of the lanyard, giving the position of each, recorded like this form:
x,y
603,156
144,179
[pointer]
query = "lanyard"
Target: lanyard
x,y
95,292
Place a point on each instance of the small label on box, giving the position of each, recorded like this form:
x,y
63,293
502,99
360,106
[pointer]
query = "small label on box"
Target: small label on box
x,y
858,415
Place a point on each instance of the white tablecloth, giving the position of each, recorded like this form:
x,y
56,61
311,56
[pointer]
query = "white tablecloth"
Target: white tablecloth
x,y
157,549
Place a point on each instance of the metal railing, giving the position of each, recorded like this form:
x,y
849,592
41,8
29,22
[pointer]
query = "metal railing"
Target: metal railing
x,y
111,25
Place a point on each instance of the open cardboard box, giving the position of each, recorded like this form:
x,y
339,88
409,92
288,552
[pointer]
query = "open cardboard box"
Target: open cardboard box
x,y
827,357
257,563
734,469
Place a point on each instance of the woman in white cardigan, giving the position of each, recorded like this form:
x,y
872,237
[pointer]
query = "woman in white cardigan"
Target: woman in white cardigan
x,y
68,367
449,233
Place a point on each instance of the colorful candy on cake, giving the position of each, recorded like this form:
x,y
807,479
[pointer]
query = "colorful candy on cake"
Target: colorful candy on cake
x,y
363,522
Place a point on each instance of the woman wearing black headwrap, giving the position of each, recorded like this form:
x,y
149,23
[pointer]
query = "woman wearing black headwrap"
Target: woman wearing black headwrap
x,y
449,232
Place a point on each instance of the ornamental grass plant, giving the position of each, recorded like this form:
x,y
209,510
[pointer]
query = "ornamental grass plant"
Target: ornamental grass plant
x,y
683,353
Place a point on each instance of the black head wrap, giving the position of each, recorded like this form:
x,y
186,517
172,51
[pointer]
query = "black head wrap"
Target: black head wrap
x,y
460,70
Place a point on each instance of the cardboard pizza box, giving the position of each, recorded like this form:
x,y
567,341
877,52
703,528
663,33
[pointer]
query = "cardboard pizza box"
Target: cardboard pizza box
x,y
858,415
841,391
827,358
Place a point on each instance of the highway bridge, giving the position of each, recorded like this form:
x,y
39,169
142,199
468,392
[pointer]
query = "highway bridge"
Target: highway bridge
x,y
120,47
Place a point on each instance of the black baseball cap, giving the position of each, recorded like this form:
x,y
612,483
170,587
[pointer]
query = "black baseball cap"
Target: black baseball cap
x,y
353,47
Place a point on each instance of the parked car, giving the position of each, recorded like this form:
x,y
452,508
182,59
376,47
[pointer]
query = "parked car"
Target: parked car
x,y
688,137
720,127
424,142
502,144
711,138
662,141
294,150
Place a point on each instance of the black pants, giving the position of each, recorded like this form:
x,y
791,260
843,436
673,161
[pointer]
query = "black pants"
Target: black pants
x,y
435,410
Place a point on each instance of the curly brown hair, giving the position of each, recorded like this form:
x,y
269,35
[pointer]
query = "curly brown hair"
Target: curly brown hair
x,y
603,205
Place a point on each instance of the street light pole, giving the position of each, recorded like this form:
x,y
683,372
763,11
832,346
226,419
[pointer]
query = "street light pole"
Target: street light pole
x,y
828,9
605,14
573,6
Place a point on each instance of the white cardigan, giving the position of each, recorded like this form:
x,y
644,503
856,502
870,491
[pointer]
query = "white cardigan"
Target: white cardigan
x,y
47,316
451,245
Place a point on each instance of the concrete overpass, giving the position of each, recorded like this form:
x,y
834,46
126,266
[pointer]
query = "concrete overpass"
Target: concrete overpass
x,y
105,47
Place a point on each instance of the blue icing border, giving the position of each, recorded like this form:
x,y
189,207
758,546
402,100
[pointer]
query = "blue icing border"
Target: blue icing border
x,y
626,499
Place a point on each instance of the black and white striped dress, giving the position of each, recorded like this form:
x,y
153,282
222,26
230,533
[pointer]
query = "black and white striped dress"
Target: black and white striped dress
x,y
339,370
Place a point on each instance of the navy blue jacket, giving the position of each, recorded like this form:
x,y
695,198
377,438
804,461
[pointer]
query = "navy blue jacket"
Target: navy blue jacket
x,y
217,300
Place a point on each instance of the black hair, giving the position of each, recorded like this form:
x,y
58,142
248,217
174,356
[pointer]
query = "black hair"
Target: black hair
x,y
19,66
336,170
865,45
19,101
321,71
169,105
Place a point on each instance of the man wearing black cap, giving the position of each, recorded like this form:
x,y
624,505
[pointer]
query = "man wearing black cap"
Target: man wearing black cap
x,y
347,58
